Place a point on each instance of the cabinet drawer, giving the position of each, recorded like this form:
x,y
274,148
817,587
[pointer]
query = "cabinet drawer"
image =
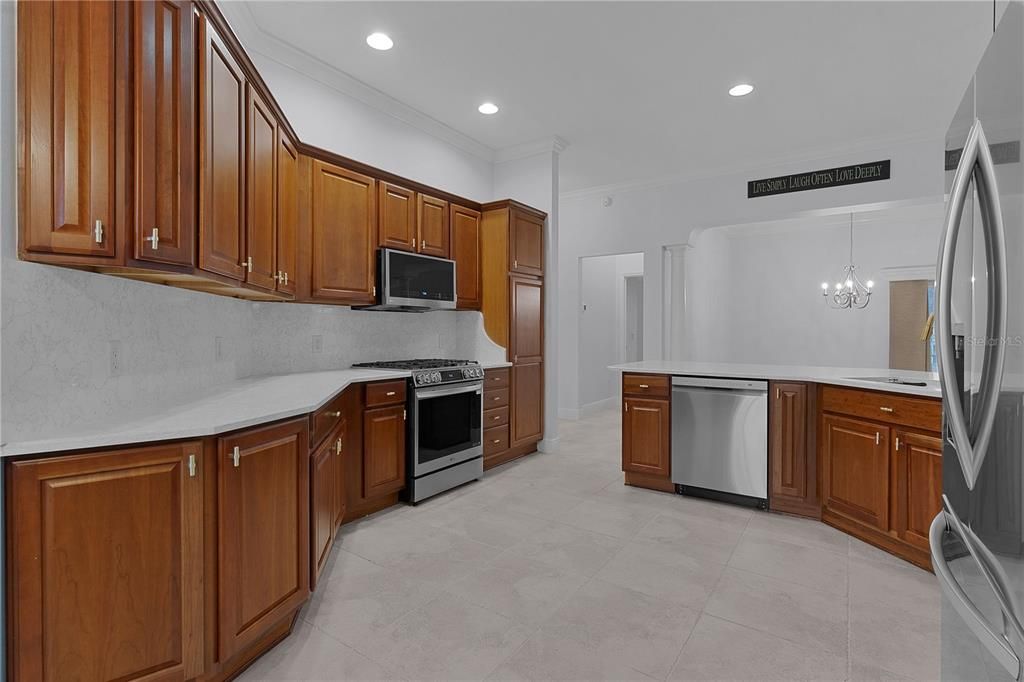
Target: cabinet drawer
x,y
324,420
497,378
921,413
495,440
496,417
647,384
495,398
385,393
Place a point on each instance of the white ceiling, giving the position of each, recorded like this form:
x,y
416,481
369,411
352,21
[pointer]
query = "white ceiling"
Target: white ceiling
x,y
638,89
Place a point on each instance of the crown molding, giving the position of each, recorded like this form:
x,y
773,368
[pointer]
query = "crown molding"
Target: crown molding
x,y
547,145
259,41
808,156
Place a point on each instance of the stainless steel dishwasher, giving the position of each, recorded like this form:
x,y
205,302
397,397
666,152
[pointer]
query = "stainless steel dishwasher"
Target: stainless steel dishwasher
x,y
720,439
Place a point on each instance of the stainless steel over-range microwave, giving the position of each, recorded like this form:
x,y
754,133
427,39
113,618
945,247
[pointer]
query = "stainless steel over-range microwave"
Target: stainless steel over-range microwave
x,y
413,283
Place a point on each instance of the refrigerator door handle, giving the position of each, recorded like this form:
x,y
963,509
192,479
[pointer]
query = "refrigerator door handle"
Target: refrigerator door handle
x,y
998,644
971,442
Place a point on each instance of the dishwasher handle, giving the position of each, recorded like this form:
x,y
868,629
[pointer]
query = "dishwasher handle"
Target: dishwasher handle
x,y
727,384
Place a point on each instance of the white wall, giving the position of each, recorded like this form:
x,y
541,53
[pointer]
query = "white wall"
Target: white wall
x,y
602,325
753,291
650,217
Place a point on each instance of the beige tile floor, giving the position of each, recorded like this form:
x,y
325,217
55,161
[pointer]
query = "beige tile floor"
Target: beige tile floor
x,y
550,568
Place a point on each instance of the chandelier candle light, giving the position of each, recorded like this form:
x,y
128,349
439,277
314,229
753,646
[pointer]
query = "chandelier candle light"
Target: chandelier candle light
x,y
849,291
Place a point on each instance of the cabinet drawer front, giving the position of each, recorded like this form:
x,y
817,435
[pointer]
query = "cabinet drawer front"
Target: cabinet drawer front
x,y
497,378
325,419
495,440
922,413
496,417
496,398
647,384
385,393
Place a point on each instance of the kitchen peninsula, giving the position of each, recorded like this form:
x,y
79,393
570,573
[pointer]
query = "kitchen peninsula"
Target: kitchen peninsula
x,y
859,449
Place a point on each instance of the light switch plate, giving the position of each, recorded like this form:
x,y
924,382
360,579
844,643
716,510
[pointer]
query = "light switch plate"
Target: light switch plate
x,y
318,343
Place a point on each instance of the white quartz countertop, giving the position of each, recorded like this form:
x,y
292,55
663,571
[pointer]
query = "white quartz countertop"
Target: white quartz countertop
x,y
240,404
842,376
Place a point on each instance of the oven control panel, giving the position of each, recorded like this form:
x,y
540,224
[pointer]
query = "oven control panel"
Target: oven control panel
x,y
447,376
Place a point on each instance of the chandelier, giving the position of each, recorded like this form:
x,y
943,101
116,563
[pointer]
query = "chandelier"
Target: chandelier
x,y
849,292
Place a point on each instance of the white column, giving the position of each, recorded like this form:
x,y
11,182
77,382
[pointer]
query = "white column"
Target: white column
x,y
676,346
550,441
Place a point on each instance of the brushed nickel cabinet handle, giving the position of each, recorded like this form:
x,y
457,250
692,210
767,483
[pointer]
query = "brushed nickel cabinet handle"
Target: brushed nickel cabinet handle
x,y
496,441
236,455
878,438
644,386
334,414
337,447
497,417
97,231
391,393
897,442
883,408
154,239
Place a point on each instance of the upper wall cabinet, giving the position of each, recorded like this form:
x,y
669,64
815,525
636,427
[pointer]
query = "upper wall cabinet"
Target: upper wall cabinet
x,y
396,224
465,251
261,198
163,55
343,214
432,222
526,253
287,215
70,57
222,109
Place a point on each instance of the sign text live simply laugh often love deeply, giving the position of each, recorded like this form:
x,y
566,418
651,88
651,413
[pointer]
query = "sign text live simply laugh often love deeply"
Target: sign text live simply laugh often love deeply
x,y
819,179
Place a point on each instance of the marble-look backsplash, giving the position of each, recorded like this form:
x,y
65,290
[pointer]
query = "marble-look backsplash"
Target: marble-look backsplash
x,y
58,325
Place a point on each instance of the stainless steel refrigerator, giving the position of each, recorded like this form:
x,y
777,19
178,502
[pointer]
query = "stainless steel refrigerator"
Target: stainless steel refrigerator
x,y
977,540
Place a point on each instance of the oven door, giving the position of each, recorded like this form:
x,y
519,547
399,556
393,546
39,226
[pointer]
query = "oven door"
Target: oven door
x,y
446,426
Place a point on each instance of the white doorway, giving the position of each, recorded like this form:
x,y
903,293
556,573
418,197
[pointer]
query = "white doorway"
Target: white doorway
x,y
633,313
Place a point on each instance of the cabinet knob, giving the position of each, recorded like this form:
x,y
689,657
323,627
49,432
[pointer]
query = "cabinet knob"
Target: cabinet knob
x,y
154,239
497,417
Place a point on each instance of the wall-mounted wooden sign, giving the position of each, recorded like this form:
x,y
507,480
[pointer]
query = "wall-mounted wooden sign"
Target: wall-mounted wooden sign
x,y
819,179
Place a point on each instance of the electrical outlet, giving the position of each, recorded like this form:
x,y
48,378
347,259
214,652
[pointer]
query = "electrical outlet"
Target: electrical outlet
x,y
318,343
218,349
116,359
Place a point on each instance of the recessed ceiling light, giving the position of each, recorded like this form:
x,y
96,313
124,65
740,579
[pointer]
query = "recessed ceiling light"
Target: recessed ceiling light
x,y
741,89
488,108
380,41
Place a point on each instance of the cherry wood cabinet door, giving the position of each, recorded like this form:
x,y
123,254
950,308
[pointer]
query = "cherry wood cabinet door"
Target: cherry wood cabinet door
x,y
527,400
917,477
323,493
344,217
526,313
287,214
340,496
396,224
855,477
263,530
465,251
222,158
645,436
526,243
105,562
383,451
432,224
67,85
164,55
261,194
793,465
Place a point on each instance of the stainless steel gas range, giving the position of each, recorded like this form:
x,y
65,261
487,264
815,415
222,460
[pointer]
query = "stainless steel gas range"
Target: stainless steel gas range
x,y
445,426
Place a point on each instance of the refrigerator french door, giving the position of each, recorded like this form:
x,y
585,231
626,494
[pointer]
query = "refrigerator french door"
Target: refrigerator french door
x,y
977,539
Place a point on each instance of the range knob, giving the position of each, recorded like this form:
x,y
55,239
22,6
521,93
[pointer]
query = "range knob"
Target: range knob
x,y
435,377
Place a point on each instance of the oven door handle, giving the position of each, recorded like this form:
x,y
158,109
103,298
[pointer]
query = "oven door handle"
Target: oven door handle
x,y
440,391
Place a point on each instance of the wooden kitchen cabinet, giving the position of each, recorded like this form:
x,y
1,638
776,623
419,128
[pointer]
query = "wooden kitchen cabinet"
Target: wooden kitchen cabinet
x,y
792,453
222,144
340,477
105,563
71,55
527,348
855,470
465,251
396,222
383,451
263,530
287,215
261,193
164,50
917,481
646,435
527,243
432,225
324,493
344,227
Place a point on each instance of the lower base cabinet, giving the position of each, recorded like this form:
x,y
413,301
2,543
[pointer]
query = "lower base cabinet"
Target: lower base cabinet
x,y
263,526
647,431
105,565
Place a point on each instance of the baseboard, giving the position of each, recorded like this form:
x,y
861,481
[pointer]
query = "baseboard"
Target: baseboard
x,y
549,444
568,414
